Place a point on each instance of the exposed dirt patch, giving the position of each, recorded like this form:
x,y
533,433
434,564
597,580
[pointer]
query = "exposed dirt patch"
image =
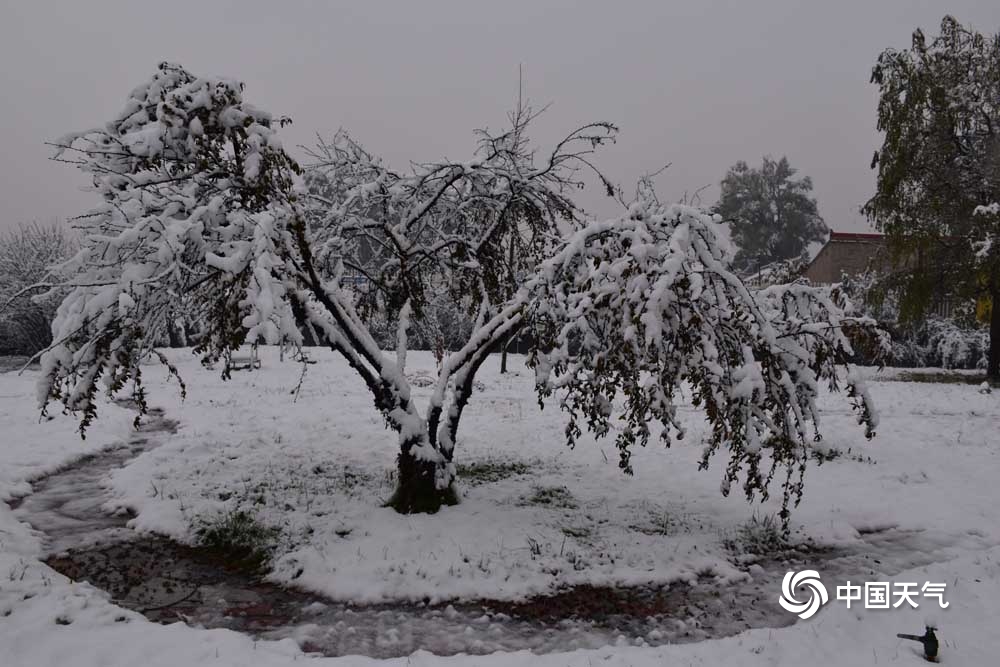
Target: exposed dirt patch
x,y
940,376
680,611
169,582
488,471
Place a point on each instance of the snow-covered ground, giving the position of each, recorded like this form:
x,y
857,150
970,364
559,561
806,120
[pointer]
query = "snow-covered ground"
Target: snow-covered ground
x,y
535,515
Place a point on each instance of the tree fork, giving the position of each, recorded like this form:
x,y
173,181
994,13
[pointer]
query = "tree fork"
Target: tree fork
x,y
416,488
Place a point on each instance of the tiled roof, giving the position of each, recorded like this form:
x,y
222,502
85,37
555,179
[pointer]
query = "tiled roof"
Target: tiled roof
x,y
854,236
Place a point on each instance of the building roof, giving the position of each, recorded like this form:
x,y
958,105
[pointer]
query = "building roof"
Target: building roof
x,y
855,236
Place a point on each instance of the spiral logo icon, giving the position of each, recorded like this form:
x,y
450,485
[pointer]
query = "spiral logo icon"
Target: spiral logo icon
x,y
806,579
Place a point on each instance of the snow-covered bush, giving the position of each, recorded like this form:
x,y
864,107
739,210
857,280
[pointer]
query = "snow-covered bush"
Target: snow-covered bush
x,y
955,342
28,255
942,343
204,212
758,536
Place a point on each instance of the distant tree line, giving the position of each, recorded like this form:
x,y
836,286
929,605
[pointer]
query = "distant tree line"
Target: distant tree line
x,y
29,254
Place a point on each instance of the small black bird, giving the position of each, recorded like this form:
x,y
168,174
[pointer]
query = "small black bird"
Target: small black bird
x,y
929,640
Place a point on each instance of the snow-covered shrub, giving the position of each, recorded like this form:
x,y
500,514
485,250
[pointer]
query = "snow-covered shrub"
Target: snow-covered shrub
x,y
764,536
758,536
955,342
942,343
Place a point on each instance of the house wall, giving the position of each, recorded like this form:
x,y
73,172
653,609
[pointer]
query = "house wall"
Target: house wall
x,y
844,256
852,254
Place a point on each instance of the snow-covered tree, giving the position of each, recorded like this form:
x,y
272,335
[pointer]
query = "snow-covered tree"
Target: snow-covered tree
x,y
202,202
772,215
938,170
28,255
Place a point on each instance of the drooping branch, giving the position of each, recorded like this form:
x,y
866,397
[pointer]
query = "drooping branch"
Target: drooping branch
x,y
637,307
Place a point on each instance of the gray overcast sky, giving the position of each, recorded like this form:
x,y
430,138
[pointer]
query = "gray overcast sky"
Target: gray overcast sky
x,y
699,84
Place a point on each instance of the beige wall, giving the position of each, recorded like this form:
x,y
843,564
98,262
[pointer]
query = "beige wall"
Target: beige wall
x,y
839,257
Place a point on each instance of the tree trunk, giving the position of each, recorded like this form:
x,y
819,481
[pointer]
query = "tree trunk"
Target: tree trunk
x,y
175,334
507,341
416,488
993,363
505,346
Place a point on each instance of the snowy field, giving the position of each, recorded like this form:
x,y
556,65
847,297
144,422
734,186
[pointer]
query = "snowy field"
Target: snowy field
x,y
316,464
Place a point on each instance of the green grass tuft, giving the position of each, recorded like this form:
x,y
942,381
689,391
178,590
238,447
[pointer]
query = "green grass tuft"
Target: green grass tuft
x,y
240,538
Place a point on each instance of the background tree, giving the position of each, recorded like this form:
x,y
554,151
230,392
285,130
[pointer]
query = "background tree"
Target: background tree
x,y
201,202
772,216
939,170
28,256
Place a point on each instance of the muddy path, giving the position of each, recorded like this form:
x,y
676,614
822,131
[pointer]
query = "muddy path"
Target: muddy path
x,y
169,582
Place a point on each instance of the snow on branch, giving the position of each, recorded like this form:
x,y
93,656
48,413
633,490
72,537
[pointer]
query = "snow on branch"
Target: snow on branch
x,y
196,194
202,207
986,245
632,313
452,226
